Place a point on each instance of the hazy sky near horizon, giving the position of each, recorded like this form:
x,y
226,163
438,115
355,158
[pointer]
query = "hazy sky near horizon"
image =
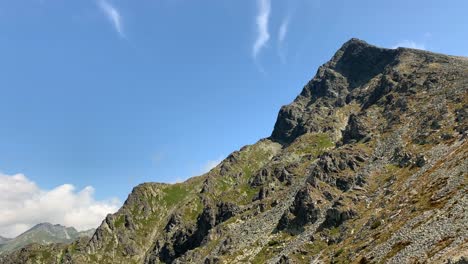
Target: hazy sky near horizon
x,y
113,93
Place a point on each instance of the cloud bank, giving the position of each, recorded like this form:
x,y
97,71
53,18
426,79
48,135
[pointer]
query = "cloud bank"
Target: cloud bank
x,y
23,204
113,15
263,35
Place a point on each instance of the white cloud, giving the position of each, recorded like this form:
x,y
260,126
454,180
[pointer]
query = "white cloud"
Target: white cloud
x,y
23,204
262,19
409,44
113,15
283,30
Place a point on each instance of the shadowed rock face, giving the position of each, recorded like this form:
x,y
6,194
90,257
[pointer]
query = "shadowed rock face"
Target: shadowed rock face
x,y
352,66
359,62
367,165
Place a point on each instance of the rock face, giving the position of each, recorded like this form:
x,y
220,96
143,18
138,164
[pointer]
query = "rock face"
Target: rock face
x,y
43,234
367,165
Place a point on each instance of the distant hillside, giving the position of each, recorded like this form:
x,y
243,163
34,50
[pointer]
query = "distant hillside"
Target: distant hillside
x,y
43,234
3,240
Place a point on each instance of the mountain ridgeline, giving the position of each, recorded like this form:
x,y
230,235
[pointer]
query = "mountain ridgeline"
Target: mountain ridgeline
x,y
367,165
44,233
3,240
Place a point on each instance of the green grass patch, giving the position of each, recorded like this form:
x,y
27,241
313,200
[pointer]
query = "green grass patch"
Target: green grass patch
x,y
335,232
119,222
193,210
312,144
174,194
314,248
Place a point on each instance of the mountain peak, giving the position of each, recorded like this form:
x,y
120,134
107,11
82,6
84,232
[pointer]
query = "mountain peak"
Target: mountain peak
x,y
352,66
45,224
356,46
355,42
49,226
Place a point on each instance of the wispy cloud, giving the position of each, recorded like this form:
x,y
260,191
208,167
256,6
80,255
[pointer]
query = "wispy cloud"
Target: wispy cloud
x,y
409,44
113,15
24,205
262,19
282,32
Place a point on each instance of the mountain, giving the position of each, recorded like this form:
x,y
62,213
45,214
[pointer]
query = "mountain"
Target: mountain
x,y
44,234
367,165
4,240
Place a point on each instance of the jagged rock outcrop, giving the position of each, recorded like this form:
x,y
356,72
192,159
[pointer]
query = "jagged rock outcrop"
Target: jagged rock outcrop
x,y
367,165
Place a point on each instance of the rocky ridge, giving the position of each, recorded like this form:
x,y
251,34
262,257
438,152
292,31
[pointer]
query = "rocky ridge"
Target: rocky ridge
x,y
367,165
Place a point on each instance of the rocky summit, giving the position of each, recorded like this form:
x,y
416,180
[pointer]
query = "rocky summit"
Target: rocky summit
x,y
367,165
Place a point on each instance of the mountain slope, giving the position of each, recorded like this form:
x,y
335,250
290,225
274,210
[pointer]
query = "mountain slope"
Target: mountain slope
x,y
44,234
4,239
367,165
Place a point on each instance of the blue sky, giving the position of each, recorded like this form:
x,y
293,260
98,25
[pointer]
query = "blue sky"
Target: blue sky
x,y
110,94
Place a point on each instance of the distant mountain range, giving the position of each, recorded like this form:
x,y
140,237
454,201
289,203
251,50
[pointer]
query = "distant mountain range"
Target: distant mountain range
x,y
3,240
44,234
